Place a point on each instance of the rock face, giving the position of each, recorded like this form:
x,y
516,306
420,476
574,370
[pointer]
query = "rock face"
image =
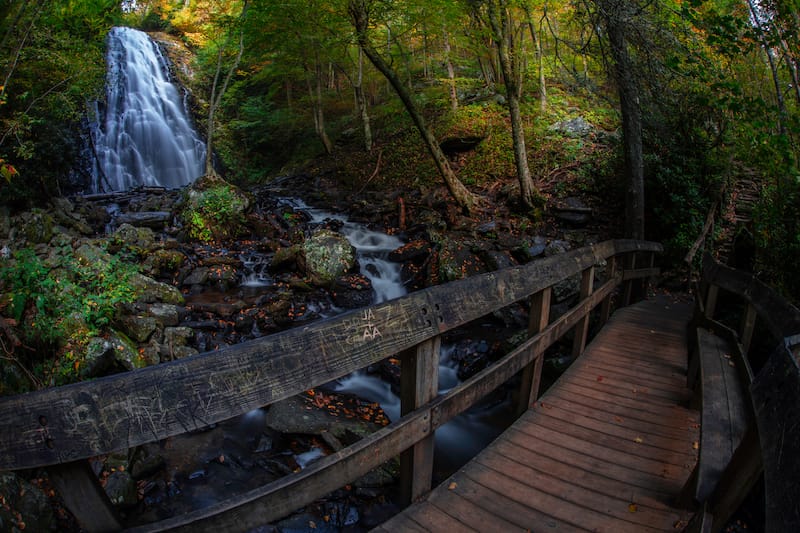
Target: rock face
x,y
574,127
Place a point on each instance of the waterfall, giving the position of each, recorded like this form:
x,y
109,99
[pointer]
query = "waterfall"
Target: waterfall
x,y
142,135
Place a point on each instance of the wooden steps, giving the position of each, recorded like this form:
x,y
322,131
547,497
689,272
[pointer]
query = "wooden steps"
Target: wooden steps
x,y
608,448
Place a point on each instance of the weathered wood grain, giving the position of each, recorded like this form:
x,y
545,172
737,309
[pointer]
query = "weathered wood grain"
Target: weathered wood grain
x,y
582,464
117,412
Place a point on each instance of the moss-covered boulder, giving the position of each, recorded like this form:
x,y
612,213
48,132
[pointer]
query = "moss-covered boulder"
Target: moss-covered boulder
x,y
326,256
215,210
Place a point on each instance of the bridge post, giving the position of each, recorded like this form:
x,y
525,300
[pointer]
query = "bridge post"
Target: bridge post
x,y
84,496
627,291
581,330
419,384
605,307
532,373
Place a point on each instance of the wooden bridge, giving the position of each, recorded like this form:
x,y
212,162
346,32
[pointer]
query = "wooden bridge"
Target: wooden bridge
x,y
636,436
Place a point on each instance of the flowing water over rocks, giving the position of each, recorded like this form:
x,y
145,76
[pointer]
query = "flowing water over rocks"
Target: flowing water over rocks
x,y
142,134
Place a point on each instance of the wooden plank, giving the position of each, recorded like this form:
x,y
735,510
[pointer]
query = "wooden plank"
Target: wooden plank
x,y
605,307
419,382
83,495
776,395
595,494
279,498
125,410
532,373
723,414
546,504
582,327
434,519
748,326
466,511
132,408
565,466
653,485
502,503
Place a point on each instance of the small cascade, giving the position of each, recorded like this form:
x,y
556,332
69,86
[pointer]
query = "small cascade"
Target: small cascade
x,y
142,135
461,438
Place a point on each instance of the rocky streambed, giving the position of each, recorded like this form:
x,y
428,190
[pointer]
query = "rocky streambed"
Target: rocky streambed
x,y
295,264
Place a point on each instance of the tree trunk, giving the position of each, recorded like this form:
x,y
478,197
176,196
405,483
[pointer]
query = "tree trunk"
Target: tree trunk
x,y
451,72
216,96
315,92
537,43
773,67
361,102
615,19
359,14
500,22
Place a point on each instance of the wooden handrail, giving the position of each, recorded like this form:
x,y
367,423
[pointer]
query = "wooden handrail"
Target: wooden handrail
x,y
75,422
773,393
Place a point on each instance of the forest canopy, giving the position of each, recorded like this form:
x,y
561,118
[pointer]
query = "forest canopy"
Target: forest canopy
x,y
697,101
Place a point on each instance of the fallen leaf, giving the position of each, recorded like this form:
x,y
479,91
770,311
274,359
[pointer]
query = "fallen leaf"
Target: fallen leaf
x,y
599,378
312,524
680,524
695,445
632,508
617,419
452,485
638,440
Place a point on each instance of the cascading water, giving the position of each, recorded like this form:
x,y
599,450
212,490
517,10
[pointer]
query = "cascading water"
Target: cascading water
x,y
463,437
143,134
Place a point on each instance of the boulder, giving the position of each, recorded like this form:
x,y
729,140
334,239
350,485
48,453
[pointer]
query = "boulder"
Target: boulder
x,y
327,255
121,489
149,290
574,127
141,240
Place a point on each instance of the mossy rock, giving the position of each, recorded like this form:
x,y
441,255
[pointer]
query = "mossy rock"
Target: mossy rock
x,y
327,256
215,210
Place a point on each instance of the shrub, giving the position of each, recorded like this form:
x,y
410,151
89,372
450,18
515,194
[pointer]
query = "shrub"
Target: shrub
x,y
58,305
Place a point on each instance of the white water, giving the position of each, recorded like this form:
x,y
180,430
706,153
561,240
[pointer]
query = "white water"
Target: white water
x,y
143,135
464,436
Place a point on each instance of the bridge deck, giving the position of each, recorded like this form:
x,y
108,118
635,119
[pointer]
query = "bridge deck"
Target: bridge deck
x,y
607,448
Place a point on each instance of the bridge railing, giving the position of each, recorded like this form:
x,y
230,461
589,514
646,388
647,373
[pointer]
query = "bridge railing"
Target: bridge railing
x,y
61,428
763,427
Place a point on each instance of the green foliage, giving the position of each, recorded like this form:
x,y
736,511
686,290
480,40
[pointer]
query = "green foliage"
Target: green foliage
x,y
216,213
59,304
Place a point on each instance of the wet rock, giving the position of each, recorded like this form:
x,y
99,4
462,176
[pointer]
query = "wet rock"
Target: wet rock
x,y
497,260
149,290
223,276
35,226
327,255
574,127
24,506
144,465
457,261
138,327
121,489
557,247
573,211
411,251
166,314
140,240
162,261
156,220
285,258
64,214
105,356
352,291
198,276
532,249
294,416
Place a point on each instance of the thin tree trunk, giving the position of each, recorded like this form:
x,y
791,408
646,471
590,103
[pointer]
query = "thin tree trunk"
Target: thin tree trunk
x,y
451,72
501,25
615,21
361,101
773,67
216,96
359,14
315,93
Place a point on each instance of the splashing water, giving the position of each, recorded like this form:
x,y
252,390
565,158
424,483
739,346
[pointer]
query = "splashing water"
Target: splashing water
x,y
143,134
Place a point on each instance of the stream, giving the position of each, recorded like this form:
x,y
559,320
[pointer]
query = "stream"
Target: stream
x,y
143,137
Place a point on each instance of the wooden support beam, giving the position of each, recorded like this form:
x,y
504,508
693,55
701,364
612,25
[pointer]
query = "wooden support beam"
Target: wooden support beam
x,y
627,291
84,496
419,384
582,328
748,326
711,301
605,307
532,373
